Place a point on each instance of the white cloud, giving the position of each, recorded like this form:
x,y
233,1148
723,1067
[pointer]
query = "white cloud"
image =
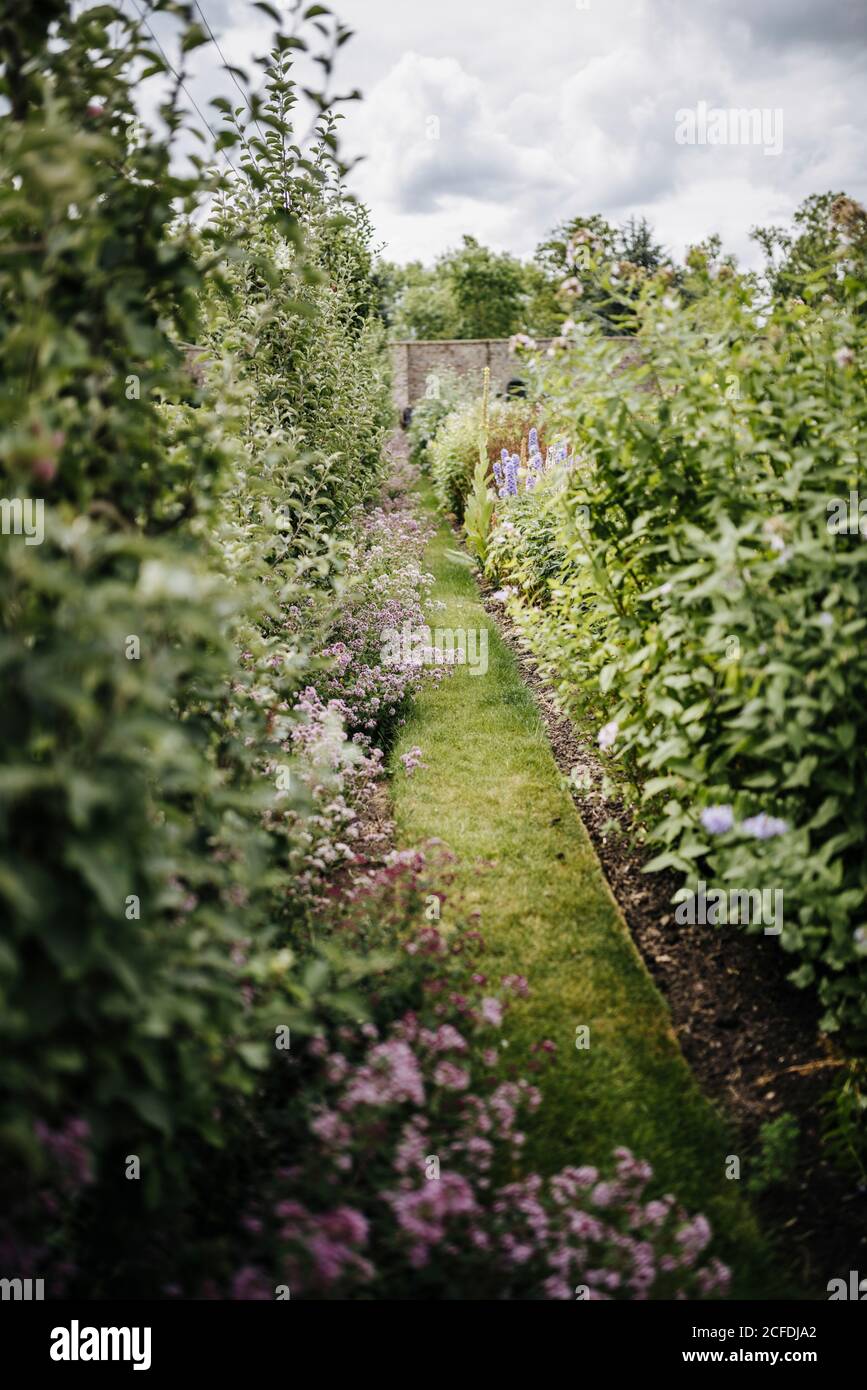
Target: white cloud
x,y
546,110
564,112
431,136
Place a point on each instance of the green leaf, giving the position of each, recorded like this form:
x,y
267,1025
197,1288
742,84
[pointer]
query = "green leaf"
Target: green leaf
x,y
255,1054
152,1109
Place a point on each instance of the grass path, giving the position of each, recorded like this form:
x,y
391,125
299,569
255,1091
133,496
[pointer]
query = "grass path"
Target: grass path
x,y
492,791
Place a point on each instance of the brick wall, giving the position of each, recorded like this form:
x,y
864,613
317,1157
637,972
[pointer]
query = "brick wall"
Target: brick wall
x,y
413,362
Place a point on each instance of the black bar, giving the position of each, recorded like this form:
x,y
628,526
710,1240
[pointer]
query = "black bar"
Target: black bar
x,y
259,1341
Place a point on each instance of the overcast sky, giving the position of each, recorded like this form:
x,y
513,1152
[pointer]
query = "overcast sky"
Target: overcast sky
x,y
549,108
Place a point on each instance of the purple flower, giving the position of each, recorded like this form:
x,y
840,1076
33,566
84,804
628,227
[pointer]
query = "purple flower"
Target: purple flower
x,y
764,827
511,471
412,760
717,819
498,475
533,440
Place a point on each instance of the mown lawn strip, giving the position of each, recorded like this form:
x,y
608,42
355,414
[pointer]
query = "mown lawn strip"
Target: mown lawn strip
x,y
491,790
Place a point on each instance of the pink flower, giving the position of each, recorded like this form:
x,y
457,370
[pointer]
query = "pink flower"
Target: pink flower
x,y
603,1194
390,1076
451,1077
492,1011
250,1284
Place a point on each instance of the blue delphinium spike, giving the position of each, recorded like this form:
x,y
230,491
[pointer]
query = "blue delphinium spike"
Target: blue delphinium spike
x,y
504,455
498,474
534,440
511,472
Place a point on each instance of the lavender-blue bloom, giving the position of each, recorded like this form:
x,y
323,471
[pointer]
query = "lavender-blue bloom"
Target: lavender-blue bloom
x,y
504,455
498,474
717,819
764,827
511,471
533,440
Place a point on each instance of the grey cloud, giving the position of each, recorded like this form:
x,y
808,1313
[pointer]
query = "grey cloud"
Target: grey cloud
x,y
782,23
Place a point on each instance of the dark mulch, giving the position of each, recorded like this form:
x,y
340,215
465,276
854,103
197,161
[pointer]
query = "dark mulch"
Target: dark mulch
x,y
749,1036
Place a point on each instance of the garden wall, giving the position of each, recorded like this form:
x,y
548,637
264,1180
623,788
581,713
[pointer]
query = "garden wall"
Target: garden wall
x,y
412,362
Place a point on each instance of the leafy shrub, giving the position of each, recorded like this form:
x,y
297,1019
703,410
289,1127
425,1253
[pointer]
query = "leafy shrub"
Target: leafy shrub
x,y
150,645
445,391
309,351
116,646
479,508
705,611
455,449
525,551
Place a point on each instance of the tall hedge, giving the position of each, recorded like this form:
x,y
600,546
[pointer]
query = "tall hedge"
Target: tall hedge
x,y
193,412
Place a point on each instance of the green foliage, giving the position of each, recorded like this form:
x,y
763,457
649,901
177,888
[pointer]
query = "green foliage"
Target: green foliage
x,y
777,1158
471,292
829,235
422,303
488,291
705,606
588,270
153,644
445,391
455,448
844,1127
479,510
527,552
